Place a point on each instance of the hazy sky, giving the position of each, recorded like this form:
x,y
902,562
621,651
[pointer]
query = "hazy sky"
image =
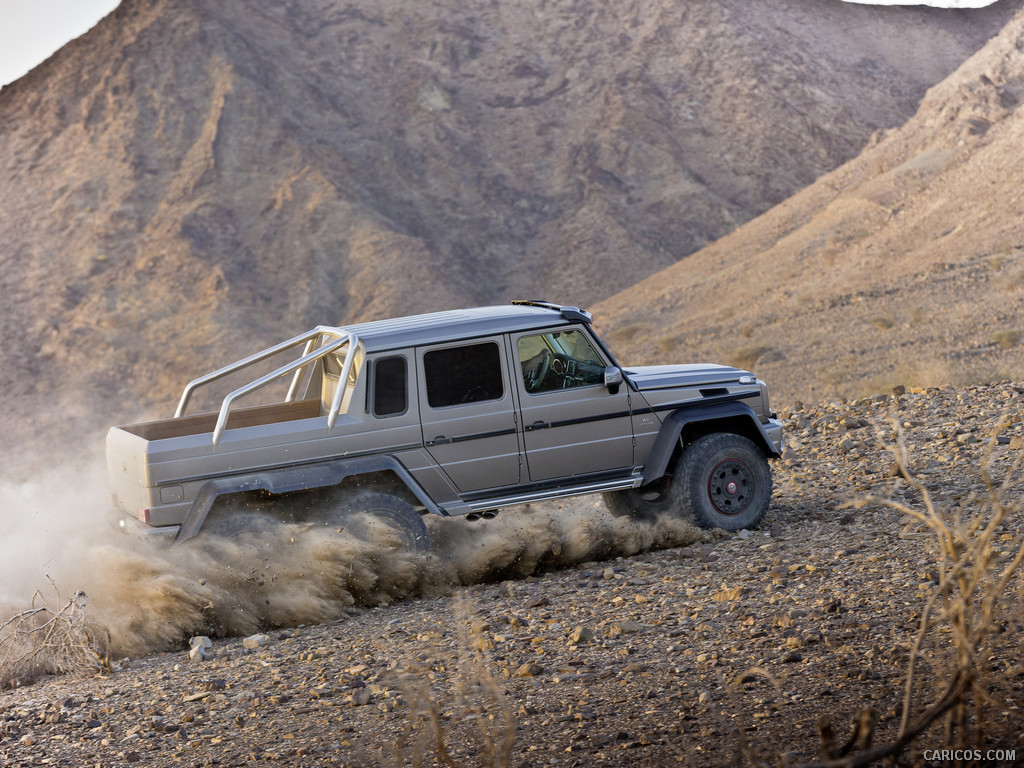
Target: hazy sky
x,y
934,3
31,30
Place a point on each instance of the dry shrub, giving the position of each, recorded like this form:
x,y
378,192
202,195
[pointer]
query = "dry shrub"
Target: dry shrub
x,y
883,321
464,717
1014,281
1006,339
956,648
958,664
748,357
923,373
1004,247
918,315
667,344
627,333
41,640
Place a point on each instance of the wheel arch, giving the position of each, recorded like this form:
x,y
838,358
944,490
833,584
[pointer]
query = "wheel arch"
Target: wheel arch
x,y
370,470
685,425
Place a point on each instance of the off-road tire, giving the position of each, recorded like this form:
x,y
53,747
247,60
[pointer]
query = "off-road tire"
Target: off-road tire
x,y
693,489
724,481
355,514
235,524
244,529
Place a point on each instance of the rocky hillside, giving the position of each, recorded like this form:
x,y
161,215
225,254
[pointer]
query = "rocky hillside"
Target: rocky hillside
x,y
904,266
194,179
599,642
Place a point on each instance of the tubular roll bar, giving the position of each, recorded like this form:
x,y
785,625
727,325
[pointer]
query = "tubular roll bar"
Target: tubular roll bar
x,y
310,353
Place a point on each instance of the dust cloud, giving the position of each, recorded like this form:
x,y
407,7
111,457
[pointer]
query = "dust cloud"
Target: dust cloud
x,y
148,597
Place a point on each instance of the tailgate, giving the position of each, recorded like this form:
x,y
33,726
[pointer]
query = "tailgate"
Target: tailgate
x,y
125,458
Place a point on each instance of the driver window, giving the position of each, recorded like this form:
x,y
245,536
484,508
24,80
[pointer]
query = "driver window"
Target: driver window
x,y
558,360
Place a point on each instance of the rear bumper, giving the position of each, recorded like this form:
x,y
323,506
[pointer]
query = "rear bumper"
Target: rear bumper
x,y
130,526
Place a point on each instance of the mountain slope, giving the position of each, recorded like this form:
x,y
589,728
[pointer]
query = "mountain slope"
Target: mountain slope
x,y
904,266
192,180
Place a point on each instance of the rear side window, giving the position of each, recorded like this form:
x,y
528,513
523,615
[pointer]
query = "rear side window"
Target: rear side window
x,y
461,375
390,386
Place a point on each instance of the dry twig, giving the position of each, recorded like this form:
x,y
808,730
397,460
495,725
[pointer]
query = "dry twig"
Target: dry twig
x,y
40,640
963,606
475,712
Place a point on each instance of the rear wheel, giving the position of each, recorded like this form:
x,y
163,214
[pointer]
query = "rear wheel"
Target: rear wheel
x,y
234,522
644,503
235,525
376,517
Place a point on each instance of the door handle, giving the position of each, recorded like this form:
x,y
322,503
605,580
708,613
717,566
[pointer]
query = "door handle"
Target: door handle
x,y
439,440
537,425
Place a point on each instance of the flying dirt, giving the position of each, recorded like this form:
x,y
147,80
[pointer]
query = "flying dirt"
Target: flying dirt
x,y
145,598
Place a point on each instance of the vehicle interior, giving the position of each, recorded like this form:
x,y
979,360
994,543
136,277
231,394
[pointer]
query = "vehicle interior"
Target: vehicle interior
x,y
559,360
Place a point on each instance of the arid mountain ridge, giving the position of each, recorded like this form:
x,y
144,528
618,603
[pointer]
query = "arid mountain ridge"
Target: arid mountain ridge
x,y
904,266
190,181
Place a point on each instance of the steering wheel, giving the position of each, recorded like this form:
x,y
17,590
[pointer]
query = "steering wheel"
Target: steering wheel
x,y
538,370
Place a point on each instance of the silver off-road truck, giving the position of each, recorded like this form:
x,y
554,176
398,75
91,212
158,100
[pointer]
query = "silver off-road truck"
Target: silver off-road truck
x,y
452,413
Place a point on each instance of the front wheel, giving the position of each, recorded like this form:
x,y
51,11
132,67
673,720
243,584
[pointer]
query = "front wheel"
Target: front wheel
x,y
725,481
722,480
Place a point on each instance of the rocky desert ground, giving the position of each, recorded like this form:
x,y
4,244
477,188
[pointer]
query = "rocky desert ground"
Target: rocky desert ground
x,y
588,641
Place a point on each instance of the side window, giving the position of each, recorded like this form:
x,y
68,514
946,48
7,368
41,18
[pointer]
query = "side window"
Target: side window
x,y
558,360
390,386
460,375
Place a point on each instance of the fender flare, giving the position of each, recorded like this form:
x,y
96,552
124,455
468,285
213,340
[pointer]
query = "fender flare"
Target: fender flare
x,y
672,427
300,478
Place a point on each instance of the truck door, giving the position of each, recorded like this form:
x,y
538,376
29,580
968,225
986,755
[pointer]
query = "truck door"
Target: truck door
x,y
468,414
572,423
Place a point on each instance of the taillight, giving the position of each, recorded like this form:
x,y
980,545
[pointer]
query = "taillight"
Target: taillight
x,y
143,515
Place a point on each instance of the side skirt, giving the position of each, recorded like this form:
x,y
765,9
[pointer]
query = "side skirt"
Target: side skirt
x,y
543,492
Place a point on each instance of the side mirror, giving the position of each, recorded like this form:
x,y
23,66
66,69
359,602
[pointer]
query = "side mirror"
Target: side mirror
x,y
612,379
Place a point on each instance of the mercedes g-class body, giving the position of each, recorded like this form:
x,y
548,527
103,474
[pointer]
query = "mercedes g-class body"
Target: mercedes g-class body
x,y
461,412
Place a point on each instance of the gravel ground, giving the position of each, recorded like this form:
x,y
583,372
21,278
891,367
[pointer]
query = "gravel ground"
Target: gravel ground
x,y
671,656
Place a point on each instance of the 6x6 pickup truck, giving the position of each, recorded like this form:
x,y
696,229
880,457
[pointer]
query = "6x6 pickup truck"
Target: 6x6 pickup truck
x,y
461,412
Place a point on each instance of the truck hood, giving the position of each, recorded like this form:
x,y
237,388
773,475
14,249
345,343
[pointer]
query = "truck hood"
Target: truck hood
x,y
646,377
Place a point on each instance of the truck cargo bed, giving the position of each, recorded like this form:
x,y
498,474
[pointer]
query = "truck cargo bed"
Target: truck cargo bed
x,y
241,417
